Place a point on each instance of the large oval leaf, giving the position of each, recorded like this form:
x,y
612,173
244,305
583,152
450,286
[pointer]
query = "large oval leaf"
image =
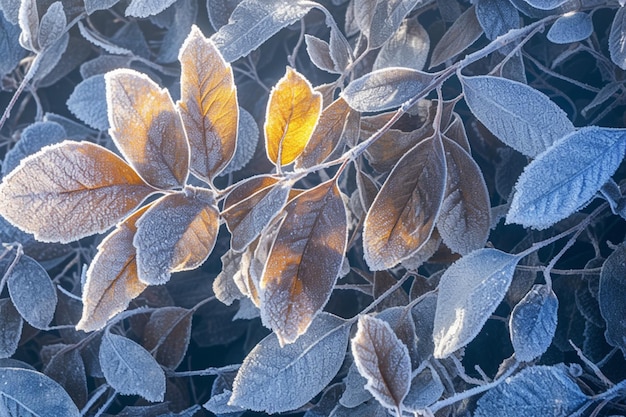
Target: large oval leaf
x,y
611,297
70,190
403,215
469,292
304,261
572,27
146,128
208,105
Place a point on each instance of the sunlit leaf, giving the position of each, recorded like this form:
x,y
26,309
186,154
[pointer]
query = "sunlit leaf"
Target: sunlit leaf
x,y
469,292
10,328
570,28
268,378
176,233
304,261
32,139
383,360
497,17
611,297
146,128
140,8
208,105
403,215
112,280
52,25
88,102
408,47
617,38
130,369
564,178
292,113
167,335
464,31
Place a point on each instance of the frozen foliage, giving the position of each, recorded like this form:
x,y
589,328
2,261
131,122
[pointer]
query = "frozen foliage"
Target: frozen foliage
x,y
33,138
88,102
571,28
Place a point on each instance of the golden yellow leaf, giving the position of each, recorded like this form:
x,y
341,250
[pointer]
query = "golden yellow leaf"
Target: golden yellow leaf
x,y
146,128
208,105
112,280
70,190
292,113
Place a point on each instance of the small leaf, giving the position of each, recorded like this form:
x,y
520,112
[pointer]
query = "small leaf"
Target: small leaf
x,y
68,369
611,297
319,53
408,47
383,18
292,112
426,388
29,23
497,17
570,28
41,196
247,140
355,393
617,38
585,159
276,379
403,215
10,328
112,280
146,128
140,8
224,286
386,88
167,335
535,391
177,233
383,360
546,4
10,48
208,105
255,21
32,139
28,393
32,292
130,369
520,116
464,31
304,261
52,25
469,292
88,102
533,323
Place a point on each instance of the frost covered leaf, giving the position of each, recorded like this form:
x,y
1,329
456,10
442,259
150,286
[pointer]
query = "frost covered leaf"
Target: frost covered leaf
x,y
319,53
464,219
463,32
386,88
68,369
32,292
383,360
520,116
130,369
146,128
469,292
208,105
112,280
88,102
178,21
10,48
379,19
408,47
326,135
535,391
10,328
355,393
70,190
611,297
292,112
304,261
497,17
177,233
52,25
28,393
219,11
426,388
403,214
167,335
247,140
275,379
28,19
617,38
141,8
570,28
564,178
224,286
255,21
251,206
533,323
32,139
92,6
546,4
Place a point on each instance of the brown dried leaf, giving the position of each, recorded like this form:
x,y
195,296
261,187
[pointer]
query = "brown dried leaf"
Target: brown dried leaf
x,y
402,217
167,335
368,189
208,105
176,234
456,133
463,32
292,113
304,260
146,128
70,190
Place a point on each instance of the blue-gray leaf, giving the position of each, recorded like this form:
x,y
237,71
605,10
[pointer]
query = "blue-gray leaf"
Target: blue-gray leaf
x,y
570,28
88,102
52,25
10,328
95,5
27,393
517,114
10,48
611,297
247,139
142,8
385,18
184,15
533,323
33,138
565,178
497,17
545,4
426,388
535,391
275,379
617,38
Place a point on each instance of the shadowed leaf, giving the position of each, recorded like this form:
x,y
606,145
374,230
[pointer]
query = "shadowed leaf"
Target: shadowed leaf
x,y
408,47
68,369
247,140
379,19
570,28
463,32
10,328
617,38
611,297
167,335
88,102
32,139
497,17
140,8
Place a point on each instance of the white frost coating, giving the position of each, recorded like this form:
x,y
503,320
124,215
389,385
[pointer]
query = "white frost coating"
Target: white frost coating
x,y
88,102
497,17
408,47
142,8
469,292
520,116
384,18
617,38
52,25
545,4
565,178
275,379
32,139
571,28
426,388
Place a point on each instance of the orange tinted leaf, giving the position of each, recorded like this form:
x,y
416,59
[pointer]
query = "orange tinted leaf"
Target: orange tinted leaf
x,y
146,128
292,113
304,260
208,105
176,234
70,190
403,215
112,280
